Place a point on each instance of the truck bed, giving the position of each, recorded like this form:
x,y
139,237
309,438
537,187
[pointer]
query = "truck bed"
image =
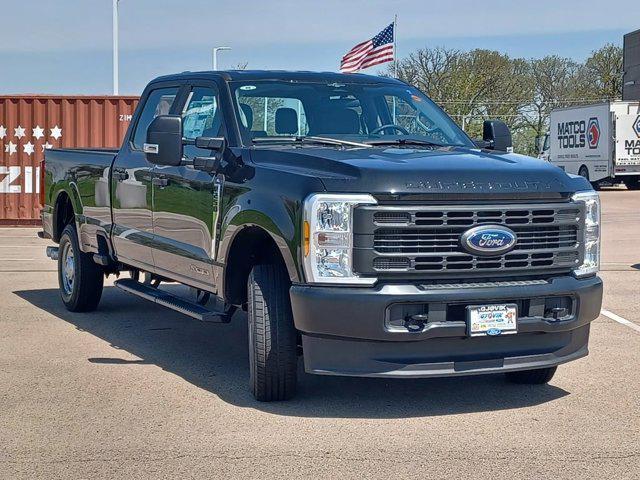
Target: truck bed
x,y
82,174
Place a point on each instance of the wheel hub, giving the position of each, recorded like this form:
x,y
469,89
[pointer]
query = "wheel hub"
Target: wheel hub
x,y
68,268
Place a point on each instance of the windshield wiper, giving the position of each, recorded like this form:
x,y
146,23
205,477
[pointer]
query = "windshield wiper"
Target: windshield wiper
x,y
310,139
408,141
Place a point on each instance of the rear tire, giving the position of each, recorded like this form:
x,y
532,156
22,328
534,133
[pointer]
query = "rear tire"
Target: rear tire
x,y
632,183
79,277
532,377
272,335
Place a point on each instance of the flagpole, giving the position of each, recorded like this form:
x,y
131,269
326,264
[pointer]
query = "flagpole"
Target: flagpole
x,y
395,62
395,46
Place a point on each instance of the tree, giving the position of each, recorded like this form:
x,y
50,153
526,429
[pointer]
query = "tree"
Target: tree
x,y
479,84
554,82
470,86
601,74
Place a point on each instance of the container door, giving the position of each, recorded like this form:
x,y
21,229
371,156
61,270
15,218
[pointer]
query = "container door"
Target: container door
x,y
131,187
185,200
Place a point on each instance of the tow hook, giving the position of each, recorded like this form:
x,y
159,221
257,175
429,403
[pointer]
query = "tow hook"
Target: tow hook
x,y
415,323
52,253
556,313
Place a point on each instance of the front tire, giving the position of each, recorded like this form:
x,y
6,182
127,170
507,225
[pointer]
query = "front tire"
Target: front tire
x,y
272,335
80,278
532,377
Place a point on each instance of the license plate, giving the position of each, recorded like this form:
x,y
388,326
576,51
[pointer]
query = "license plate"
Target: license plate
x,y
492,320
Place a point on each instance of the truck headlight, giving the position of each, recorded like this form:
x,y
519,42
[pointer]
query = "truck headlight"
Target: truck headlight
x,y
591,233
328,238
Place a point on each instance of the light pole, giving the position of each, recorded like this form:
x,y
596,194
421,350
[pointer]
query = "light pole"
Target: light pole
x,y
115,47
215,55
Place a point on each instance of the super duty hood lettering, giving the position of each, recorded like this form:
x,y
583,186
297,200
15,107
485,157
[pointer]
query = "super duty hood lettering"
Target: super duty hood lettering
x,y
524,185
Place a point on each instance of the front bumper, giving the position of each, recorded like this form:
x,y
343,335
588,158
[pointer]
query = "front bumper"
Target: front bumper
x,y
344,333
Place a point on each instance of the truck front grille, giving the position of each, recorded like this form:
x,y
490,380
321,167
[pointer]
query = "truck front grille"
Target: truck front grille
x,y
428,239
448,240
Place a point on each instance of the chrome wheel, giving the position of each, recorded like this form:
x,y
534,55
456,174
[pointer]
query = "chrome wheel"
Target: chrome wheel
x,y
68,269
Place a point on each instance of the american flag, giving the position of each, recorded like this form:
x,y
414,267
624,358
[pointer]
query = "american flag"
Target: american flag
x,y
375,51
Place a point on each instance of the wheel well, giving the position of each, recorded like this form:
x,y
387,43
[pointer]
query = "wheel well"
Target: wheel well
x,y
252,246
586,168
62,215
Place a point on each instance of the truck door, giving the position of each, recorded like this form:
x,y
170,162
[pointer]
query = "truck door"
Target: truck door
x,y
131,189
185,200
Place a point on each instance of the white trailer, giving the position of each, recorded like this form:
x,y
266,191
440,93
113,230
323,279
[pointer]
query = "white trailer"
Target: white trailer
x,y
599,142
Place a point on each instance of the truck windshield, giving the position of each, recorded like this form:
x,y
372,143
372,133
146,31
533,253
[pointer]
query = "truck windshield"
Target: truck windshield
x,y
380,114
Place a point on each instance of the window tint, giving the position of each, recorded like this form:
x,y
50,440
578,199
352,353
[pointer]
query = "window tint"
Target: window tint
x,y
349,111
416,120
201,116
158,103
259,114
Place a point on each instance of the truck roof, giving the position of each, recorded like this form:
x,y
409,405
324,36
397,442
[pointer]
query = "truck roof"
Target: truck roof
x,y
300,76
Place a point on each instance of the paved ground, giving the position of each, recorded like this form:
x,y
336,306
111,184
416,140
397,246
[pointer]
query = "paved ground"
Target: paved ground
x,y
134,391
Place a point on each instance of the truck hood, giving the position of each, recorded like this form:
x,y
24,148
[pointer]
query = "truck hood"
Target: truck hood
x,y
403,171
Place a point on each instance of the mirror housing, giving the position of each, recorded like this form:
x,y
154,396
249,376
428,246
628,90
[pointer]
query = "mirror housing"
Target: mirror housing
x,y
164,141
497,135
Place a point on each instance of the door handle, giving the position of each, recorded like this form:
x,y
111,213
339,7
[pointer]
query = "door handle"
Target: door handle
x,y
160,182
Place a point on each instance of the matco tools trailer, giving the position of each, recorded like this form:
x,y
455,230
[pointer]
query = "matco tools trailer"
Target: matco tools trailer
x,y
600,142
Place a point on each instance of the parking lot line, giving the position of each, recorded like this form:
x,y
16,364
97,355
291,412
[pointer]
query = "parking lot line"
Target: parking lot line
x,y
620,320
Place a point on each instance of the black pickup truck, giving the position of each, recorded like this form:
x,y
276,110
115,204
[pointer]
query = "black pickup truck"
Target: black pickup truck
x,y
352,219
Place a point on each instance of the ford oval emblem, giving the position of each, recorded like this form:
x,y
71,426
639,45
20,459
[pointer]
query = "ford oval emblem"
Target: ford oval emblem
x,y
489,240
494,332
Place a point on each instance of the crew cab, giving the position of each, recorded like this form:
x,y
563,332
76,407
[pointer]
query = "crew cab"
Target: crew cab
x,y
355,222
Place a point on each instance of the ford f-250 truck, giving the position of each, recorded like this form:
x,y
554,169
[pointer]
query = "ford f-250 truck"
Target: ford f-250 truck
x,y
348,214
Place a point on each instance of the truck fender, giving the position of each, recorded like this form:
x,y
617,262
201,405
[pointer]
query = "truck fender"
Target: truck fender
x,y
277,224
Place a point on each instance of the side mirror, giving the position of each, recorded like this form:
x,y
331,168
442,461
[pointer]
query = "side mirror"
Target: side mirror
x,y
497,135
164,140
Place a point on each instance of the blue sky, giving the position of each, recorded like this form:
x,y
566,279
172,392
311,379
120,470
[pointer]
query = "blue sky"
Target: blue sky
x,y
64,46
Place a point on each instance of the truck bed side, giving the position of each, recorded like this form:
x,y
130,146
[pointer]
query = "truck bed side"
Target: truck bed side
x,y
78,179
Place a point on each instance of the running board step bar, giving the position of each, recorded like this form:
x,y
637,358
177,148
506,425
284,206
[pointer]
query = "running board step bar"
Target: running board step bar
x,y
171,301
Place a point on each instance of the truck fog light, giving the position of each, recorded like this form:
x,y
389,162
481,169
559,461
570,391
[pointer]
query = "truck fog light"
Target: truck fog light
x,y
328,238
591,233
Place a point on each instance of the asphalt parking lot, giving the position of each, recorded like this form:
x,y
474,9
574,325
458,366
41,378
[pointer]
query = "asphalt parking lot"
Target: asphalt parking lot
x,y
137,391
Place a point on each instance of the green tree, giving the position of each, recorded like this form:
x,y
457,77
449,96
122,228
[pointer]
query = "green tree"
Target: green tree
x,y
553,84
601,74
480,84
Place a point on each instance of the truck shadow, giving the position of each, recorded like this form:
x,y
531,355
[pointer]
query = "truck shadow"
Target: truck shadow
x,y
214,357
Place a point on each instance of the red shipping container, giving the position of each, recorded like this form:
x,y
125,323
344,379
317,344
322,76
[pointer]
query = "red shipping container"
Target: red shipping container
x,y
29,124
